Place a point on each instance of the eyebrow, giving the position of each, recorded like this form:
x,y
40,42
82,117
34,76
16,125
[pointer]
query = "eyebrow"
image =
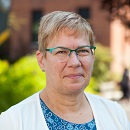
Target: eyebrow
x,y
69,48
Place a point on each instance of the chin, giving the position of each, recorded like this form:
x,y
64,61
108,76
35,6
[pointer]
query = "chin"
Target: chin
x,y
77,87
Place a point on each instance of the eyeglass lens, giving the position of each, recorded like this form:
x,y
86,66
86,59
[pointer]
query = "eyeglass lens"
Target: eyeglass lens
x,y
63,54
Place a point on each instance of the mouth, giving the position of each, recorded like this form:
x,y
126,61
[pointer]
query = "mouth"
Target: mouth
x,y
73,76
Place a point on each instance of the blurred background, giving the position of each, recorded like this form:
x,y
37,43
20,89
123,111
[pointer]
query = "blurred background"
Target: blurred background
x,y
20,75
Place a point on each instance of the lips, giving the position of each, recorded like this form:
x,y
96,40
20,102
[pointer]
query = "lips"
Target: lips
x,y
74,76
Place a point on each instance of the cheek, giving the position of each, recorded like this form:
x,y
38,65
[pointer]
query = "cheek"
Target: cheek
x,y
53,69
91,62
88,66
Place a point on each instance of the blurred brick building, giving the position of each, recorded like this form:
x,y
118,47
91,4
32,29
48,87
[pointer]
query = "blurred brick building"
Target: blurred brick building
x,y
27,13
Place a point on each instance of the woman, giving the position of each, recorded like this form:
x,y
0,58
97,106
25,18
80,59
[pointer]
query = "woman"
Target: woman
x,y
66,55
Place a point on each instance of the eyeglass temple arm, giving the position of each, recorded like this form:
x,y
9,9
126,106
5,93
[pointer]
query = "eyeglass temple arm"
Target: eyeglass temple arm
x,y
50,50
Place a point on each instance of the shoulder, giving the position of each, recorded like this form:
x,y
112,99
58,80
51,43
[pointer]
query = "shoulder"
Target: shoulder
x,y
98,98
113,111
28,102
101,101
16,114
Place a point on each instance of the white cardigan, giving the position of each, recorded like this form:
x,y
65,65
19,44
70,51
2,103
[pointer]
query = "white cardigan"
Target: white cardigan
x,y
27,115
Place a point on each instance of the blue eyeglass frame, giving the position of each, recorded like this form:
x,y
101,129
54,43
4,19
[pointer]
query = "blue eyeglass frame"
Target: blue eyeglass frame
x,y
51,49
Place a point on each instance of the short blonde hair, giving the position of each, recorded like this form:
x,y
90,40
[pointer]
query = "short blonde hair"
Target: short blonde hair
x,y
53,23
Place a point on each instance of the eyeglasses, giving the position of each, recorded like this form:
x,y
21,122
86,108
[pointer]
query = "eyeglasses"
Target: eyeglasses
x,y
63,53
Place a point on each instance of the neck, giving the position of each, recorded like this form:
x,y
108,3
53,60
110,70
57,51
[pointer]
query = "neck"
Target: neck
x,y
63,102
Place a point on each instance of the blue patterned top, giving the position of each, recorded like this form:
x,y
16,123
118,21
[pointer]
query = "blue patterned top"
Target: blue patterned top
x,y
56,123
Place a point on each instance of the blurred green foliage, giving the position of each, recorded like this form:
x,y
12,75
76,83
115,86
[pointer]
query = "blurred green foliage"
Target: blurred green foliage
x,y
101,71
24,77
102,63
19,80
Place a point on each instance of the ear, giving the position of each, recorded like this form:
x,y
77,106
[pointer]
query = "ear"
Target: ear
x,y
40,57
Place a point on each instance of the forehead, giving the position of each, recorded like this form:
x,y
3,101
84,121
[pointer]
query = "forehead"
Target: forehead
x,y
70,36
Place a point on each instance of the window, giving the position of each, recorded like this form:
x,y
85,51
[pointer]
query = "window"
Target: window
x,y
36,16
84,12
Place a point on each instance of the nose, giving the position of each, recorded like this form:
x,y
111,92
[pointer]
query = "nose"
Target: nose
x,y
73,60
71,51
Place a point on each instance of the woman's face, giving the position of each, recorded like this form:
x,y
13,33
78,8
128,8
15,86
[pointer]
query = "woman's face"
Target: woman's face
x,y
71,76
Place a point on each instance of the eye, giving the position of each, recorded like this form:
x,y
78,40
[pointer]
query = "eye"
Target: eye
x,y
84,51
60,51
